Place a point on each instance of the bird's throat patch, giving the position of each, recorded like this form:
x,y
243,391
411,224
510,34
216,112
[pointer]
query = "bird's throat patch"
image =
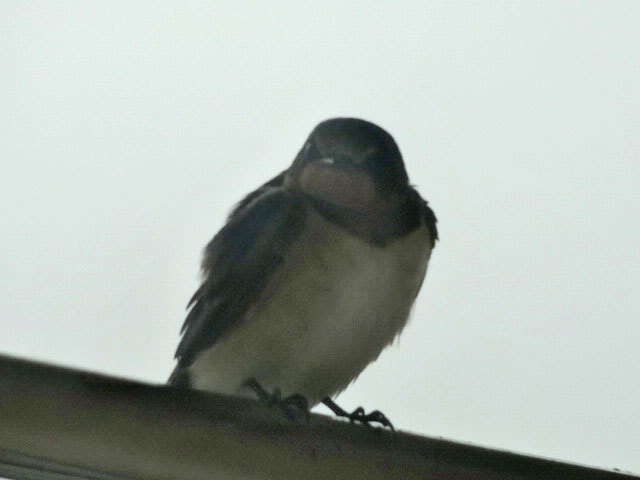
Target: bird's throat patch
x,y
348,188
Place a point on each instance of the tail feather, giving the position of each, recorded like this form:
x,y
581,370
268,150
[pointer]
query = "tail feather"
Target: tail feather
x,y
180,377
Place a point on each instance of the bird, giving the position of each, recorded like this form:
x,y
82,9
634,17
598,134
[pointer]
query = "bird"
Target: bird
x,y
312,276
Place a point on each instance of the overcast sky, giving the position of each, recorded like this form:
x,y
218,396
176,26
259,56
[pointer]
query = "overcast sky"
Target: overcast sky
x,y
129,129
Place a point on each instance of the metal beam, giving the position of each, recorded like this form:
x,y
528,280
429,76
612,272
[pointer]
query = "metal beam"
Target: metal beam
x,y
59,423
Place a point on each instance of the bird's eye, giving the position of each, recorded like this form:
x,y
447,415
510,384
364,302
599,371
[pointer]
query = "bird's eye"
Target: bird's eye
x,y
326,161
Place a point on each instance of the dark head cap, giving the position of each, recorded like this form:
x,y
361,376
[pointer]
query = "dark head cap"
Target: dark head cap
x,y
355,143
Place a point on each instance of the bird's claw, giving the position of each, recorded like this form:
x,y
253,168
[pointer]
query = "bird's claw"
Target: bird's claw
x,y
295,407
359,415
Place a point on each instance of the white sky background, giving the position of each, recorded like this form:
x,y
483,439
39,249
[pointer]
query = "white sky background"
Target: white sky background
x,y
129,129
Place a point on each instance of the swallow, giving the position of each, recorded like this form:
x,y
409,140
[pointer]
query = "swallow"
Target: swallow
x,y
312,276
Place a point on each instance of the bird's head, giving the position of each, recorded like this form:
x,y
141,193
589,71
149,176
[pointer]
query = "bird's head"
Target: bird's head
x,y
350,162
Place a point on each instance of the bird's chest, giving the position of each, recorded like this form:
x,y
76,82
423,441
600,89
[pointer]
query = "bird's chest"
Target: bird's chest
x,y
336,302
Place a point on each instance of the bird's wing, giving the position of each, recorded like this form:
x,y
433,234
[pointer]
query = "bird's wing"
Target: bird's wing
x,y
274,183
237,264
429,218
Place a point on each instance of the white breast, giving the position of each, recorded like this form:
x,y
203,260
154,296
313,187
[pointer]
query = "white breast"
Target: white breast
x,y
324,316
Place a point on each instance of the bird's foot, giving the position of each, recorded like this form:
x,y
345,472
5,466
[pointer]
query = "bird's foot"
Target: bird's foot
x,y
295,407
359,415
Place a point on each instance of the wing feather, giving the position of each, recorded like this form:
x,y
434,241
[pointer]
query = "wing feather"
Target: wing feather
x,y
237,264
